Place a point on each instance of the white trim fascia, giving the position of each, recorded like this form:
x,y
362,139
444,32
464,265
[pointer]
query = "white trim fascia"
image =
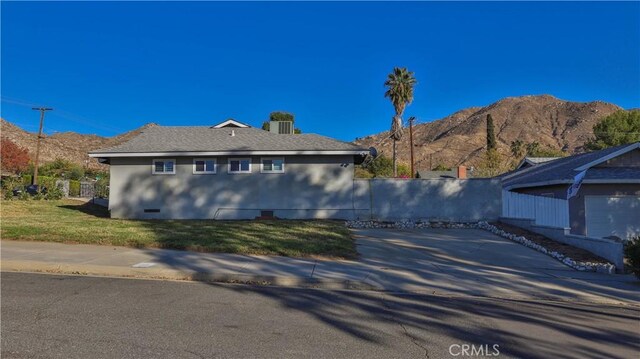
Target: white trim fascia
x,y
229,171
271,158
205,172
230,122
153,166
600,160
226,153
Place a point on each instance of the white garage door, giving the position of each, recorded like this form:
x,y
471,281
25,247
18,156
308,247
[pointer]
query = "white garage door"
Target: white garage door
x,y
619,216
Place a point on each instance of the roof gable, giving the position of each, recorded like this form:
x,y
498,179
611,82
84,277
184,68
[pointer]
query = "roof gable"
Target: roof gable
x,y
230,123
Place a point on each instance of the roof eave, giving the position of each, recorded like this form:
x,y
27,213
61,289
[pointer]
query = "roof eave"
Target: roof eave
x,y
603,159
228,153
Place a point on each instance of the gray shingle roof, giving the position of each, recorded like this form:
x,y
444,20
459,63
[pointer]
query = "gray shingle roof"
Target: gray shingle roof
x,y
208,139
564,170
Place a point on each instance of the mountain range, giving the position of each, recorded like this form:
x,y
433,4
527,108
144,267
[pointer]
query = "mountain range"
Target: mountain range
x,y
458,139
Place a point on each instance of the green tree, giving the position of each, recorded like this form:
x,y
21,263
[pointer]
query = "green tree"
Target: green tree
x,y
534,149
619,128
281,116
61,168
518,149
382,166
400,83
491,165
491,134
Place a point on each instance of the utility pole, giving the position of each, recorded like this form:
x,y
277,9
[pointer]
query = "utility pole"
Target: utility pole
x,y
411,119
42,110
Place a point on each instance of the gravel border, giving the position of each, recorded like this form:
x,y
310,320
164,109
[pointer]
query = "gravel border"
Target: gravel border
x,y
564,259
580,266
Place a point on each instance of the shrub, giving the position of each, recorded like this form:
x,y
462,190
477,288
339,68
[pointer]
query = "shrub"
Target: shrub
x,y
632,254
26,179
24,196
74,188
383,167
39,196
54,193
8,185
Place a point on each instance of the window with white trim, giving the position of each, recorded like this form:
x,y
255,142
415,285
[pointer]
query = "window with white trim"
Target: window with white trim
x,y
239,165
272,165
204,166
163,167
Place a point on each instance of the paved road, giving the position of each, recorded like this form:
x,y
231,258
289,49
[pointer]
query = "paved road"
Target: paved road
x,y
89,317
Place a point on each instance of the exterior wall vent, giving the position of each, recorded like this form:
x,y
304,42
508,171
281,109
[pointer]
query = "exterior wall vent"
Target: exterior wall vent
x,y
151,210
281,127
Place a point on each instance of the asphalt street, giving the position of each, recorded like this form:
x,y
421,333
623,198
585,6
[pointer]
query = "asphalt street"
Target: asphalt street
x,y
45,316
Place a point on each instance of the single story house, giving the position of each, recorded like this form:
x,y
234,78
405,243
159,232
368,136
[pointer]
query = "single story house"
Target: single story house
x,y
608,200
230,171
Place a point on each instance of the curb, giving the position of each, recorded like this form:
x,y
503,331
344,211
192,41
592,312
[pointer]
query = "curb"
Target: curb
x,y
182,275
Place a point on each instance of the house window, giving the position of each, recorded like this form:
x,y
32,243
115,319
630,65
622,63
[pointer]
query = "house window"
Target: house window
x,y
239,165
204,166
272,165
163,167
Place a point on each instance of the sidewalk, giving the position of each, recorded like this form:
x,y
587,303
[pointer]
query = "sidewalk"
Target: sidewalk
x,y
380,268
181,265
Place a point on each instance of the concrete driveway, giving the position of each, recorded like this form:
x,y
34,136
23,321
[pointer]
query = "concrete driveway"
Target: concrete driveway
x,y
476,262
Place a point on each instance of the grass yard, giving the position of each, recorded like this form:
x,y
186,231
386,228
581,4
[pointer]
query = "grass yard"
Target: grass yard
x,y
69,221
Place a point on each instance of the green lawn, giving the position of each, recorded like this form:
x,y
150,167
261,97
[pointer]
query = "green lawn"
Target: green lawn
x,y
70,221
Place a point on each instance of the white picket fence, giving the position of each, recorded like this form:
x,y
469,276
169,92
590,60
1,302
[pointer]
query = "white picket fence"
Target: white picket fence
x,y
545,211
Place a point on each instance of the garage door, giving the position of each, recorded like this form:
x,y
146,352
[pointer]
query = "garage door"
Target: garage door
x,y
619,216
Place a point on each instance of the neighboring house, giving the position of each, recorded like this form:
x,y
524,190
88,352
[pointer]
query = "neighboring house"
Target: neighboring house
x,y
460,172
608,200
230,171
534,161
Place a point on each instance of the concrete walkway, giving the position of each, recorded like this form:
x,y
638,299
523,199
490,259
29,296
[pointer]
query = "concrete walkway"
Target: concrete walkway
x,y
450,262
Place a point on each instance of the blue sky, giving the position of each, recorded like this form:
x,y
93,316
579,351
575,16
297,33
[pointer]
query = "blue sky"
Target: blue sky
x,y
109,67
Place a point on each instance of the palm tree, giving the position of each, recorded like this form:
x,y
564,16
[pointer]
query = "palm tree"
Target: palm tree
x,y
400,83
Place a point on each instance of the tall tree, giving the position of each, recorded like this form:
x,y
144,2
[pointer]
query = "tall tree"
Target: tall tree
x,y
491,134
619,128
14,158
399,84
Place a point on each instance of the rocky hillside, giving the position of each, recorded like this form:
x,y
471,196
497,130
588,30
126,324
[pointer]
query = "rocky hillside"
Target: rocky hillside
x,y
461,137
67,145
453,140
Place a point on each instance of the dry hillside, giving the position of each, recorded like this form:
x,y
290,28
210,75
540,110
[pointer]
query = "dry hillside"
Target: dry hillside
x,y
68,145
456,139
461,137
